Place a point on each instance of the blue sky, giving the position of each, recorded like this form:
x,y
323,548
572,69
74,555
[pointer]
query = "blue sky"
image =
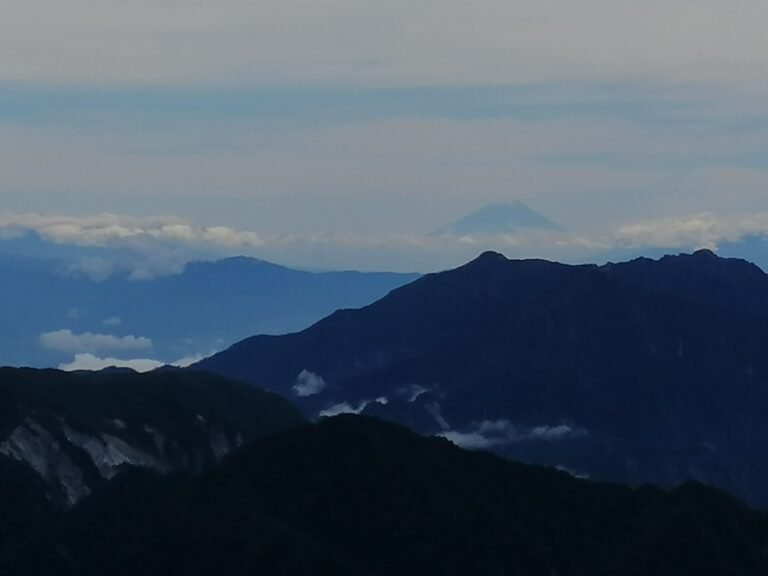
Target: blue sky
x,y
340,132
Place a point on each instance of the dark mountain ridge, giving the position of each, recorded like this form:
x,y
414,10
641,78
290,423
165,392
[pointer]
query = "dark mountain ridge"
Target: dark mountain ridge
x,y
352,495
646,371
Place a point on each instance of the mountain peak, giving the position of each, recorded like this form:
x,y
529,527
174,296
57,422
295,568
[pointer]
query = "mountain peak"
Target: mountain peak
x,y
499,218
705,253
491,256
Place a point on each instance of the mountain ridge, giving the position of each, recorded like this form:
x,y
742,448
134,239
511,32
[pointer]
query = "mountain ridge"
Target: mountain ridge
x,y
584,367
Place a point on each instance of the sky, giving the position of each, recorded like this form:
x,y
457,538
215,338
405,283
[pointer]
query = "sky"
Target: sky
x,y
338,133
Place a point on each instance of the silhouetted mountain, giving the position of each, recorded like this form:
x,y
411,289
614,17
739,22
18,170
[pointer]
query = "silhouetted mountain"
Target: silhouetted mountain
x,y
72,431
648,371
204,308
501,218
355,496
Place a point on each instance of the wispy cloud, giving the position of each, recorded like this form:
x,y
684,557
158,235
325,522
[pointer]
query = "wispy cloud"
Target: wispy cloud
x,y
489,434
347,408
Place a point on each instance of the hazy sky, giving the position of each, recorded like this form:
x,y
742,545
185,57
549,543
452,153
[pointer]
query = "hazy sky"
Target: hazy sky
x,y
338,131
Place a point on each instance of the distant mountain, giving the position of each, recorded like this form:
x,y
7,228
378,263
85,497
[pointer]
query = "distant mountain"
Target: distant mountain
x,y
647,371
501,218
353,496
205,308
74,431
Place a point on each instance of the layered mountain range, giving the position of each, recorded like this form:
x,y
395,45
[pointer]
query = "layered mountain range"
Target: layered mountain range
x,y
646,371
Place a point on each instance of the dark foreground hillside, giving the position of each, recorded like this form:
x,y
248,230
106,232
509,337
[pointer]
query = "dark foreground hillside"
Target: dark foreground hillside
x,y
356,496
641,372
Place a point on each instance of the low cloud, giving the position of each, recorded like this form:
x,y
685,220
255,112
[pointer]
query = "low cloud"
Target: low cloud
x,y
703,230
493,433
468,440
347,408
112,321
68,341
89,361
308,384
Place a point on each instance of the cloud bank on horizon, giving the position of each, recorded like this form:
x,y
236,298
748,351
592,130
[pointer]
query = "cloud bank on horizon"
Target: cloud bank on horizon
x,y
335,133
144,248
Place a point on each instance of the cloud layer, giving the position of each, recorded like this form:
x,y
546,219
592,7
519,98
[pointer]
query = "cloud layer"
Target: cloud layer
x,y
67,341
105,229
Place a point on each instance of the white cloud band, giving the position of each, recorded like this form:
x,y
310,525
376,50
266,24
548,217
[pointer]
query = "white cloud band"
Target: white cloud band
x,y
68,341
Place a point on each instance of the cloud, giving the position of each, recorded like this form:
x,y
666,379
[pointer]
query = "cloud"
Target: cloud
x,y
342,408
111,229
112,321
68,341
96,269
436,411
87,361
493,433
468,440
553,433
308,384
704,230
347,408
572,472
